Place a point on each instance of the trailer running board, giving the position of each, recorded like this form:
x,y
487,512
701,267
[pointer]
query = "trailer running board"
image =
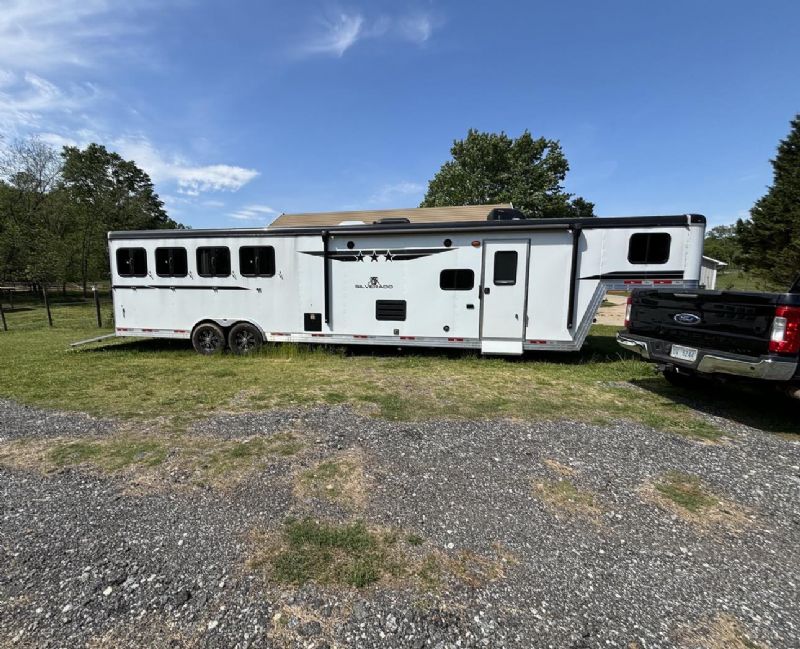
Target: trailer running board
x,y
92,340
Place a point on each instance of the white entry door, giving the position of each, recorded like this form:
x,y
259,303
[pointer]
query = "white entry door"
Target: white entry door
x,y
505,282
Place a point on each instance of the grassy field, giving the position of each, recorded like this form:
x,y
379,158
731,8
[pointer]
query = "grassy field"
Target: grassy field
x,y
736,279
145,380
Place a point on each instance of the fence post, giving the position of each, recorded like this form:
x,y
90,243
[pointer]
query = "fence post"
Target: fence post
x,y
47,305
3,316
97,307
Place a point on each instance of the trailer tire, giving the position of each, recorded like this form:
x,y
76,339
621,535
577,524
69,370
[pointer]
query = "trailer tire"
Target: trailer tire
x,y
244,338
208,339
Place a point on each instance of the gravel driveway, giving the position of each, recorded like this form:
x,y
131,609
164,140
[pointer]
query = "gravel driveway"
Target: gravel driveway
x,y
107,560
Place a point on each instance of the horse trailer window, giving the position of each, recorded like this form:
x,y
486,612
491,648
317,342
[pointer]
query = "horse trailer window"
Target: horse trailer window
x,y
214,262
649,248
257,261
131,262
390,309
456,279
505,267
171,262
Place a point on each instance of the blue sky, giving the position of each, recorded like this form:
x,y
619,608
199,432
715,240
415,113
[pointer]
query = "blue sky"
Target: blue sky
x,y
241,110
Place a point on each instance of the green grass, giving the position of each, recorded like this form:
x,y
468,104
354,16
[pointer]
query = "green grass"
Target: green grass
x,y
112,455
686,491
145,379
209,461
327,553
736,279
563,494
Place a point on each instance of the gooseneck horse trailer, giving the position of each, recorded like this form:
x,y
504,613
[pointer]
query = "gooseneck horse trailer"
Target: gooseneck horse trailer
x,y
503,284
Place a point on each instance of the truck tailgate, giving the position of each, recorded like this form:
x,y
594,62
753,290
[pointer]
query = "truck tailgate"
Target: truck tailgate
x,y
729,321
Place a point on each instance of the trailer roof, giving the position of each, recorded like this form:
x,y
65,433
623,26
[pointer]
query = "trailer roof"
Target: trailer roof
x,y
456,214
409,228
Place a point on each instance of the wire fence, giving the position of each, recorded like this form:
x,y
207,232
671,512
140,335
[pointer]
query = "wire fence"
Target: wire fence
x,y
33,307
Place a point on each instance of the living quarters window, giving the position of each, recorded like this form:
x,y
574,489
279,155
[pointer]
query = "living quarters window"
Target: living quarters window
x,y
171,262
131,262
649,248
505,267
390,309
257,261
456,279
213,261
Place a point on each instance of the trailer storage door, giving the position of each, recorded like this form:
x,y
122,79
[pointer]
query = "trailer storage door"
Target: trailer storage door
x,y
505,282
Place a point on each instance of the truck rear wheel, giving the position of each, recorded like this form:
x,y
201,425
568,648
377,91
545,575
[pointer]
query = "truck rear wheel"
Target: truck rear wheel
x,y
244,338
208,339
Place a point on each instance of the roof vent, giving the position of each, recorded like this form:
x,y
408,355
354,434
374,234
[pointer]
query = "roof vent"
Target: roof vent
x,y
505,214
392,219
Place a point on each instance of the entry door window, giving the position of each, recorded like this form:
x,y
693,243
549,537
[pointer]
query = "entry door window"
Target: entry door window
x,y
505,267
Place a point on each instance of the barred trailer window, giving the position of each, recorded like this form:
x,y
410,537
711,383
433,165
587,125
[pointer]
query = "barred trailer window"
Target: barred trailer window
x,y
214,261
171,262
131,262
257,261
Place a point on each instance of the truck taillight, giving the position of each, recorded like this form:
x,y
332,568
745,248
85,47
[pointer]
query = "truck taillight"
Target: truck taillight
x,y
628,313
785,336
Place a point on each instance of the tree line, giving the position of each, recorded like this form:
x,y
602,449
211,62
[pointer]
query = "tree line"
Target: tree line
x,y
768,243
56,208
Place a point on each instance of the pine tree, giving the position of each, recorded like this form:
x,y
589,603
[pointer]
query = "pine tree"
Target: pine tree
x,y
770,238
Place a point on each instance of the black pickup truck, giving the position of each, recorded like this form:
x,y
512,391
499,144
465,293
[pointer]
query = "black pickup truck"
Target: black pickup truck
x,y
717,334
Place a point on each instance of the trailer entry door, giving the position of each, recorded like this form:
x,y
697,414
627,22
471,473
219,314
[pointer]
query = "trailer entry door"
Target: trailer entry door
x,y
504,288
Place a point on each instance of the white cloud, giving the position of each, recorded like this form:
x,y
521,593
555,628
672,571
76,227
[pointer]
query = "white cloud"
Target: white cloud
x,y
45,34
27,98
338,35
341,32
253,213
396,191
191,179
416,28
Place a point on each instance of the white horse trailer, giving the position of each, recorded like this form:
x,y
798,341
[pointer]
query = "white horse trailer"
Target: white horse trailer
x,y
501,285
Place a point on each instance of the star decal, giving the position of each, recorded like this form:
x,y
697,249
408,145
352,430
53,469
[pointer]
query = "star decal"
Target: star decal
x,y
360,256
374,256
389,256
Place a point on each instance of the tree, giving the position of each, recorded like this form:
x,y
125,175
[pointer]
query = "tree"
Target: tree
x,y
33,223
106,193
721,243
494,168
770,238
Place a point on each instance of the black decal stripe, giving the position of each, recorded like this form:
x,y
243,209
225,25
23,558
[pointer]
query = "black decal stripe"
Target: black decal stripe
x,y
640,275
186,288
400,254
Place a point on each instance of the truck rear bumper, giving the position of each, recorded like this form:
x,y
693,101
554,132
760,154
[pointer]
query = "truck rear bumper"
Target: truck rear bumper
x,y
767,368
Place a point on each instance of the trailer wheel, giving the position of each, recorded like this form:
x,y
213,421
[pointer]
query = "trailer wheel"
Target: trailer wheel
x,y
244,338
208,339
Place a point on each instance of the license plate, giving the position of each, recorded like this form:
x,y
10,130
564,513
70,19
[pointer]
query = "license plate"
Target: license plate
x,y
683,353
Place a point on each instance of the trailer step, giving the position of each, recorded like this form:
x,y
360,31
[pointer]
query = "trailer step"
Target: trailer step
x,y
92,340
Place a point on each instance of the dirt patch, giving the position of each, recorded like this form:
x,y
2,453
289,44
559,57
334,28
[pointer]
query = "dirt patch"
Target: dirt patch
x,y
562,496
156,461
561,469
612,311
721,632
339,479
690,499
